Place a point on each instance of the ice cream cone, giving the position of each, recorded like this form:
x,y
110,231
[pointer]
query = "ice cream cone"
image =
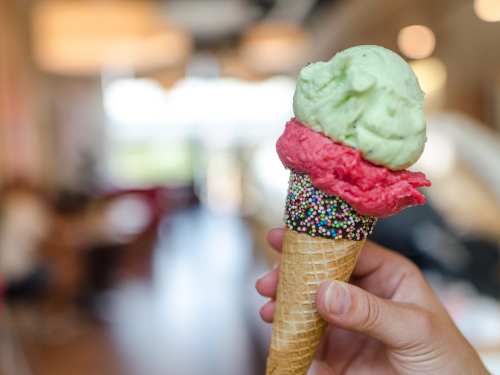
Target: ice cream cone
x,y
297,328
346,148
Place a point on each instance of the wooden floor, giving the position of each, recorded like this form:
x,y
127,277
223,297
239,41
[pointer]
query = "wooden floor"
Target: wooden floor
x,y
196,314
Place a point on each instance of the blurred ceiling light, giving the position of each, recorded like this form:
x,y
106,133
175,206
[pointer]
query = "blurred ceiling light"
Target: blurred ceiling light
x,y
275,47
487,10
416,41
85,37
431,74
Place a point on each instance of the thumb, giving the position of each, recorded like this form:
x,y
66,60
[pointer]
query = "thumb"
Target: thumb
x,y
395,324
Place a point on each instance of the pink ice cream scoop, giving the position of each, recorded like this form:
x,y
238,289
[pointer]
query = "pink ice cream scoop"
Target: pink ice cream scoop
x,y
341,171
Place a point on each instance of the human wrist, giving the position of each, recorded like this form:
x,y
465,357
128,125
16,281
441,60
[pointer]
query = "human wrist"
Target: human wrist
x,y
467,360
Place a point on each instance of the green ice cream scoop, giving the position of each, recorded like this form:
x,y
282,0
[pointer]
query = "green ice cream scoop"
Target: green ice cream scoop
x,y
368,98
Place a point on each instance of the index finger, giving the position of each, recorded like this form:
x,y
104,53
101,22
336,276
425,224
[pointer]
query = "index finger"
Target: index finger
x,y
381,271
374,257
275,239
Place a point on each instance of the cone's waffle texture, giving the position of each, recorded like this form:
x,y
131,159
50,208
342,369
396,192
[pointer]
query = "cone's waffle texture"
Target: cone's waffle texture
x,y
297,328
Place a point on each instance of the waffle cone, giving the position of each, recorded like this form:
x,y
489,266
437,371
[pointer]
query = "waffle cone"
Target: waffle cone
x,y
297,328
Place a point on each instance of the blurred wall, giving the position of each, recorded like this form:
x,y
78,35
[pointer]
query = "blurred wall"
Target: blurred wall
x,y
22,153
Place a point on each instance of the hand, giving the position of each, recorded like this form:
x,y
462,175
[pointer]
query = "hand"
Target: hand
x,y
388,321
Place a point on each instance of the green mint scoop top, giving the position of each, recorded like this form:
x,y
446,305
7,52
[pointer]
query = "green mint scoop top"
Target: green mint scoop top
x,y
368,98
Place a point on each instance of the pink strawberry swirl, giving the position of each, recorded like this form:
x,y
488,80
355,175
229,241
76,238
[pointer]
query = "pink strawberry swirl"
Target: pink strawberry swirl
x,y
340,170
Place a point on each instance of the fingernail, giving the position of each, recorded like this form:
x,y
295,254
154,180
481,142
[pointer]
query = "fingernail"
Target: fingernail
x,y
337,298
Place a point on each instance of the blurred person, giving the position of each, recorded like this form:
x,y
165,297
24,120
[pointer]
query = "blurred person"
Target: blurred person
x,y
24,224
388,321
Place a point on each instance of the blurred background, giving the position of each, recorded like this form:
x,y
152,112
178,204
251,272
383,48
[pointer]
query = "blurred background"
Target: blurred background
x,y
138,175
